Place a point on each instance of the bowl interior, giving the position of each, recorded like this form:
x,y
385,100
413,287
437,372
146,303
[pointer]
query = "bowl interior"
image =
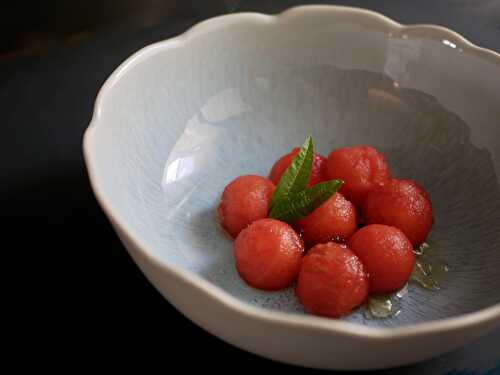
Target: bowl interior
x,y
184,118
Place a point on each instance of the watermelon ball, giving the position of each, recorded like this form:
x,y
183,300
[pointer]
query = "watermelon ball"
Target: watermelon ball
x,y
243,201
268,254
317,172
334,220
402,204
387,255
332,281
360,167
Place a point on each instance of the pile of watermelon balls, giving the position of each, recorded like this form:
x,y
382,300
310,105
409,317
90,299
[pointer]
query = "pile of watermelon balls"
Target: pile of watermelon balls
x,y
358,242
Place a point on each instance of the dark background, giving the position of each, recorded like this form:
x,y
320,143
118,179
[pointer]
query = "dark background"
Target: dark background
x,y
77,295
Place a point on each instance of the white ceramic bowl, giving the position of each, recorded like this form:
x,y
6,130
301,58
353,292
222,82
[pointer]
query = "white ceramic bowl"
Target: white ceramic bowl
x,y
181,118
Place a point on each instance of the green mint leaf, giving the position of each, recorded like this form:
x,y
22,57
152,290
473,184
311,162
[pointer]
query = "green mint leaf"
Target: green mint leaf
x,y
298,205
296,176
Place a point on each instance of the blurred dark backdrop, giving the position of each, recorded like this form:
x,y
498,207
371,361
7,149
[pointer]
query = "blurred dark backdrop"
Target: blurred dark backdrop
x,y
31,26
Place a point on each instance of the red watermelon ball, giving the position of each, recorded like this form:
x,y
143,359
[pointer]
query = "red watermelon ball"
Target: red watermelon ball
x,y
243,201
268,254
334,220
332,281
360,167
402,204
317,173
387,255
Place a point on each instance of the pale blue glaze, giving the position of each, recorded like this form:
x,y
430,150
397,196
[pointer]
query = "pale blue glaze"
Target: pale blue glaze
x,y
171,138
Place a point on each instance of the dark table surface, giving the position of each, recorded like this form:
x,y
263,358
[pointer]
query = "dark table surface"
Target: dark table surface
x,y
76,292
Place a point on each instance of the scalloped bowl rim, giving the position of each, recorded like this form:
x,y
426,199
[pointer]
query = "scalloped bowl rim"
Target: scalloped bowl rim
x,y
488,314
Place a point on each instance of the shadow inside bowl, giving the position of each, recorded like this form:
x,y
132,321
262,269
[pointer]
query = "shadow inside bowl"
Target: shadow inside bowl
x,y
244,129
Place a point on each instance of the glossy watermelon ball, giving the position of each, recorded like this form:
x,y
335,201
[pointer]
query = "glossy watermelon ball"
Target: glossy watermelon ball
x,y
332,281
402,204
334,220
318,171
268,254
243,201
360,167
387,255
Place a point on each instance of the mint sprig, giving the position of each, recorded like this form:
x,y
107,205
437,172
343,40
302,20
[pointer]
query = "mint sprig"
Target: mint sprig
x,y
301,204
296,176
291,200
